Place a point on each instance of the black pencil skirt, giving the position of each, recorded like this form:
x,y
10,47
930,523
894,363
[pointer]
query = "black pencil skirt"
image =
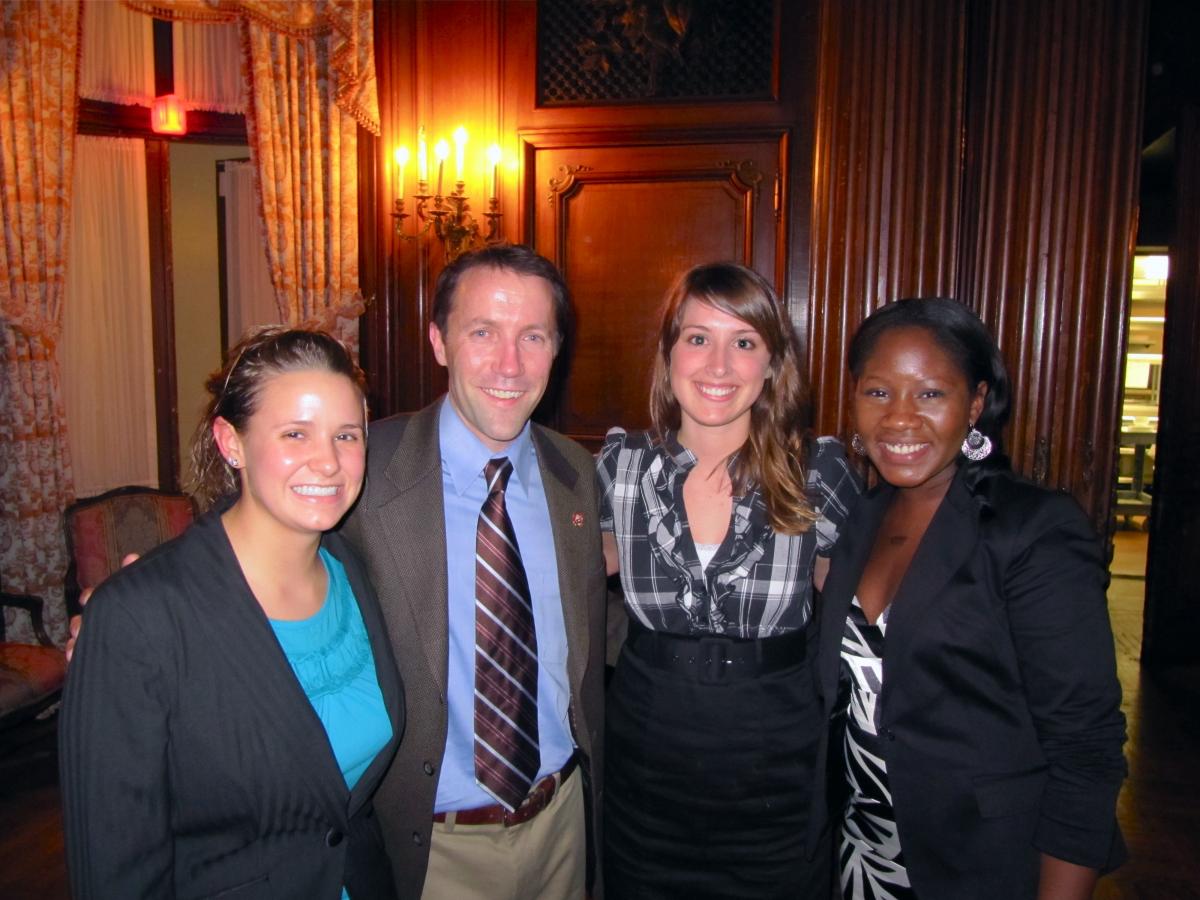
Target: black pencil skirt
x,y
708,782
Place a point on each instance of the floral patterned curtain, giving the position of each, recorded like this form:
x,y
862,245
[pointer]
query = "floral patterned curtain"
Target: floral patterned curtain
x,y
39,43
311,74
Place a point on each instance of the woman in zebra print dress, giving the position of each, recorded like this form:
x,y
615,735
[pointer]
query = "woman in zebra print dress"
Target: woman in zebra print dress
x,y
965,643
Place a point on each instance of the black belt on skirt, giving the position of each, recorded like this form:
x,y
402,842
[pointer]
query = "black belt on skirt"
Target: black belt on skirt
x,y
716,658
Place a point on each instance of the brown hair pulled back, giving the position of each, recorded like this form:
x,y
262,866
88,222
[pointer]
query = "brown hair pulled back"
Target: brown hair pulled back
x,y
775,453
234,389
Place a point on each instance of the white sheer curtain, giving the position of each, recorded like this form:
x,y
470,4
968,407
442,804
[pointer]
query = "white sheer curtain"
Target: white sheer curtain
x,y
208,66
117,57
249,295
107,352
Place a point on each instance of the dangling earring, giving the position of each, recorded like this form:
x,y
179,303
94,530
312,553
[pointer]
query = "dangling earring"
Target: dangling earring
x,y
977,445
856,445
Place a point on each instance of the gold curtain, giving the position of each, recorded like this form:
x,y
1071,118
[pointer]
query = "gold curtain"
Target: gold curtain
x,y
39,44
311,74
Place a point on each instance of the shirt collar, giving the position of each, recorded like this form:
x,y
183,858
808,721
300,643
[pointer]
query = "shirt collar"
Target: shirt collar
x,y
464,455
680,455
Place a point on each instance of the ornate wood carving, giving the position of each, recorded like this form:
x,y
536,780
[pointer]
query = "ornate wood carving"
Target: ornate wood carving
x,y
604,51
562,184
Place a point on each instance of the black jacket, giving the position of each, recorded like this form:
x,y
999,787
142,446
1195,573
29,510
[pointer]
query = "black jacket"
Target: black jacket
x,y
1001,719
192,762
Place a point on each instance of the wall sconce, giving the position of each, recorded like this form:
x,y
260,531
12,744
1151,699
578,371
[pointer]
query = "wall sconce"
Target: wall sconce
x,y
167,115
447,216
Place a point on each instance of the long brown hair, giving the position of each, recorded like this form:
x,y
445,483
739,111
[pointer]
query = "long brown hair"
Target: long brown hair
x,y
775,453
234,388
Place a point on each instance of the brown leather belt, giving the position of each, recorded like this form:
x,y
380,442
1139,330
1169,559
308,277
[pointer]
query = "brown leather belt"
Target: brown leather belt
x,y
536,800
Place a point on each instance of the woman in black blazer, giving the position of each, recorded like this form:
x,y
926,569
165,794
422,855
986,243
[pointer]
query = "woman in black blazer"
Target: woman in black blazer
x,y
233,700
965,645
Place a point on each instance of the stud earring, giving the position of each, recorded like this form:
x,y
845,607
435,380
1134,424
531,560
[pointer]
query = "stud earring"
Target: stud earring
x,y
233,461
977,445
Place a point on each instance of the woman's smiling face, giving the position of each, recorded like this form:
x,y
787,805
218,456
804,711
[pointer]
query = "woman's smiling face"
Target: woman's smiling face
x,y
302,454
718,367
913,406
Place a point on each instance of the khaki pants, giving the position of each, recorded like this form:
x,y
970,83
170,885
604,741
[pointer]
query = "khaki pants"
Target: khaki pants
x,y
544,858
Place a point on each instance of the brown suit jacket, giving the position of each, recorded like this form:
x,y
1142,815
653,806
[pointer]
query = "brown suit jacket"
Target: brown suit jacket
x,y
399,528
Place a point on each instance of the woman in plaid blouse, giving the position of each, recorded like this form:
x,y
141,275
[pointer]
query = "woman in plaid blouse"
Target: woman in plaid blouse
x,y
715,520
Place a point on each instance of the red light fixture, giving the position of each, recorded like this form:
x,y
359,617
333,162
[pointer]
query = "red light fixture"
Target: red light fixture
x,y
168,116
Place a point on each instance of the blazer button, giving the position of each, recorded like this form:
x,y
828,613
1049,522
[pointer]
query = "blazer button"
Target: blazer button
x,y
333,838
428,767
417,839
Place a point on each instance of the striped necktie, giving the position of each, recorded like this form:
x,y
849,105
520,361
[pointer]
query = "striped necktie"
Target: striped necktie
x,y
506,666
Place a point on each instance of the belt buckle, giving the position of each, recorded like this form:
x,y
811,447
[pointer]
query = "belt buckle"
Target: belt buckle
x,y
714,665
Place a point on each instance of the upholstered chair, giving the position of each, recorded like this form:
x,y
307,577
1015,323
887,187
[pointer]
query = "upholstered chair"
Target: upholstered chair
x,y
31,675
102,530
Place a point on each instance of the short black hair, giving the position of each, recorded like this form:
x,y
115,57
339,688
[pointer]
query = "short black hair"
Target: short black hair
x,y
960,333
517,258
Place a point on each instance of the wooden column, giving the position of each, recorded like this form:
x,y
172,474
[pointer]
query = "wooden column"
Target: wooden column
x,y
989,152
1050,190
885,216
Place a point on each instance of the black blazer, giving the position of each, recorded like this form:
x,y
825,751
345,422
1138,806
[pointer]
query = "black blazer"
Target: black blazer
x,y
192,762
1000,706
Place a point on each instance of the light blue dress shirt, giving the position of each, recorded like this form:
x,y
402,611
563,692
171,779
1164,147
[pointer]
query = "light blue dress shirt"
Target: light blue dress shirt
x,y
463,492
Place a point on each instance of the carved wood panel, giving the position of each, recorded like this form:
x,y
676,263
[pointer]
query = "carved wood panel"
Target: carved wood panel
x,y
622,221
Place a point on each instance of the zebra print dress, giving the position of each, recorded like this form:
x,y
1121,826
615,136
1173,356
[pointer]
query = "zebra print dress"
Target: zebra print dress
x,y
871,861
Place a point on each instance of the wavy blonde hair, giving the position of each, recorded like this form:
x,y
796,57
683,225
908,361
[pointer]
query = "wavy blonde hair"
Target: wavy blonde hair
x,y
775,454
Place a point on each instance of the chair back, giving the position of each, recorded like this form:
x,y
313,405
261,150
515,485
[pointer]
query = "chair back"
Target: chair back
x,y
102,530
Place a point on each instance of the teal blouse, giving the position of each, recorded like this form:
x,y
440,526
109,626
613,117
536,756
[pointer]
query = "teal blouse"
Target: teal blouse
x,y
331,656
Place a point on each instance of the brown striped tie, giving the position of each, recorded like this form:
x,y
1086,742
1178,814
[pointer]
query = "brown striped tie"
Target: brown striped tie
x,y
506,667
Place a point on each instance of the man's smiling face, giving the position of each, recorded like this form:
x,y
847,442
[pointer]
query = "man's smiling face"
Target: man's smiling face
x,y
498,347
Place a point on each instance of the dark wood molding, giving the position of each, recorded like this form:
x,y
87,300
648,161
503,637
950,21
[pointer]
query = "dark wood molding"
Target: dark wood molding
x,y
222,262
162,296
164,57
116,120
400,367
373,282
1172,615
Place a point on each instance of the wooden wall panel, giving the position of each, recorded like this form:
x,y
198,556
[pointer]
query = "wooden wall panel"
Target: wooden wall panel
x,y
1172,595
985,151
887,168
439,64
1049,223
622,221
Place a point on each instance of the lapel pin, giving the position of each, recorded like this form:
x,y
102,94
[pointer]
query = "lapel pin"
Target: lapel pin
x,y
577,519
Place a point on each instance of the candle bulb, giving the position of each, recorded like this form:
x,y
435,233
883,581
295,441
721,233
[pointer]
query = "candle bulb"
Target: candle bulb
x,y
401,162
422,158
493,157
460,144
441,150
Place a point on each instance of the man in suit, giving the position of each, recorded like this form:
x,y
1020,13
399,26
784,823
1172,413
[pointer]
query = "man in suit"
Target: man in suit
x,y
500,317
